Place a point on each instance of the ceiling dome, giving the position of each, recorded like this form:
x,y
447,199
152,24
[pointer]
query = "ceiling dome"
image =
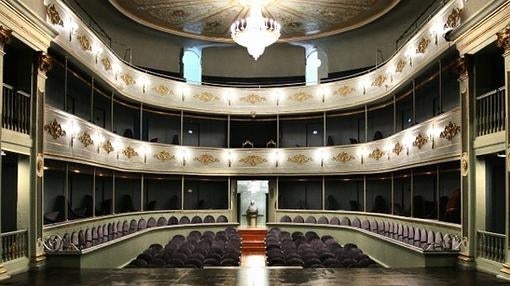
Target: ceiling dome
x,y
211,20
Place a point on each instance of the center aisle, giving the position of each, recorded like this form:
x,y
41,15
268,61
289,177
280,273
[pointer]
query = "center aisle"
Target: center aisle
x,y
253,247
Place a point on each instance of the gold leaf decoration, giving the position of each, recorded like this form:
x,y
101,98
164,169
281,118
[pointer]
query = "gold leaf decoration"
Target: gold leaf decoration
x,y
344,90
420,141
253,98
108,147
299,159
300,96
85,139
106,63
163,90
422,45
129,152
464,164
398,148
450,131
54,15
379,80
376,154
453,19
206,159
128,80
206,96
343,157
253,160
85,43
164,156
401,65
55,129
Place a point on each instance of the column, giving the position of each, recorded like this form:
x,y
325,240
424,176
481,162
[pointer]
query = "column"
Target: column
x,y
36,251
4,37
468,175
503,41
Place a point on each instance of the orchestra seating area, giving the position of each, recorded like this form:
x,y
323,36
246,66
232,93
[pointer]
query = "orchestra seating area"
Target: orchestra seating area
x,y
198,250
311,251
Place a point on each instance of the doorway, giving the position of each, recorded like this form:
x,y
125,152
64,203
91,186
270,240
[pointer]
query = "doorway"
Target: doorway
x,y
256,191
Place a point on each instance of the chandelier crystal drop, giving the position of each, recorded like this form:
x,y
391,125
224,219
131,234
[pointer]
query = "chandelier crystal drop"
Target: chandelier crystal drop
x,y
255,32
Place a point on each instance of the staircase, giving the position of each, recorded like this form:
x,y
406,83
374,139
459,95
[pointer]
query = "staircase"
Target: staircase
x,y
253,241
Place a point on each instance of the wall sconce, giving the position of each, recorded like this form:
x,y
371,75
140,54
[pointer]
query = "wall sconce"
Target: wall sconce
x,y
72,27
117,146
144,82
408,142
274,157
145,150
433,132
388,148
96,50
182,154
363,152
98,139
75,129
116,70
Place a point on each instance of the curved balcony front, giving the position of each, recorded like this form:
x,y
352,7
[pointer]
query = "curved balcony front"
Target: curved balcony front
x,y
153,89
71,138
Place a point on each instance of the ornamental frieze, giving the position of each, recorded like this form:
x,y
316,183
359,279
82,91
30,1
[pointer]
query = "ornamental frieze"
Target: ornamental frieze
x,y
85,139
343,157
107,147
299,159
253,98
422,45
300,96
450,131
84,43
453,19
206,159
55,129
54,16
344,90
376,154
379,80
503,38
162,90
206,97
129,152
164,156
106,63
401,65
253,160
127,79
420,141
398,148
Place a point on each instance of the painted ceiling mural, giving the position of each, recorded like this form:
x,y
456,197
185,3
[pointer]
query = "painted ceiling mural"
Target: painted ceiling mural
x,y
211,19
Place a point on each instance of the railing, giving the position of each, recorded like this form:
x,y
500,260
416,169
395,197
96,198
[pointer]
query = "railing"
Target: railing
x,y
15,110
490,245
490,112
14,245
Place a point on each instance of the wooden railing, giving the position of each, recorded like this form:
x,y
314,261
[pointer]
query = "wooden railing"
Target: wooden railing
x,y
490,245
14,245
16,110
490,112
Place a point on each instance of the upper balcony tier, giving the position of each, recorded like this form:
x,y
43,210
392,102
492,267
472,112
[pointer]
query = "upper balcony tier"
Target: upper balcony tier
x,y
157,90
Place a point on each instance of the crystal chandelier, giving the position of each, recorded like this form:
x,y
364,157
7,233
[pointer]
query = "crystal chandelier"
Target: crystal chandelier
x,y
255,32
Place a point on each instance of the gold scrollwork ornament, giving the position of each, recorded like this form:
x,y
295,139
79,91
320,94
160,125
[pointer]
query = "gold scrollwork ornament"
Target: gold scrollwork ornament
x,y
253,160
464,164
164,156
343,157
376,154
55,129
85,139
450,131
129,152
206,159
299,159
40,165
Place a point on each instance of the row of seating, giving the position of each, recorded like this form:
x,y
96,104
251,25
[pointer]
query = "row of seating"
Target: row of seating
x,y
85,238
427,240
311,251
196,251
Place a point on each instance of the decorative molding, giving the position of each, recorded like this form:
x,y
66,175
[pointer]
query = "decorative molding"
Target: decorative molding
x,y
55,129
54,16
461,68
206,96
129,152
253,160
106,63
163,90
343,157
40,165
253,98
206,159
84,43
85,139
344,90
44,63
376,154
127,79
300,159
420,141
108,147
453,19
422,45
300,96
401,65
464,164
503,38
450,131
379,80
5,35
164,156
398,148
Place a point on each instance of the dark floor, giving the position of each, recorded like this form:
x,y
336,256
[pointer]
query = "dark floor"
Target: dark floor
x,y
257,276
